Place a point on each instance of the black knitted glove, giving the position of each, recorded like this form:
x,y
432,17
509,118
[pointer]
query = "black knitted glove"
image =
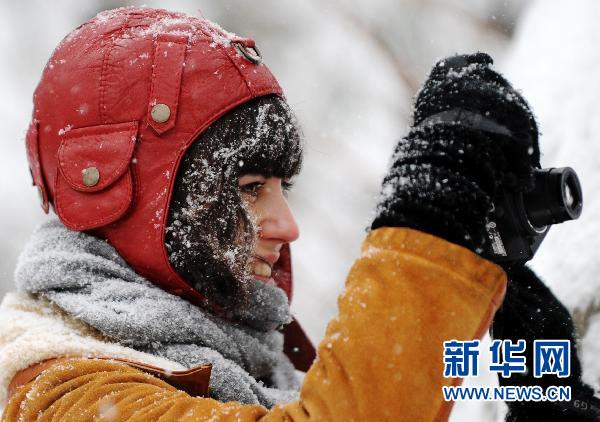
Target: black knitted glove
x,y
472,133
531,312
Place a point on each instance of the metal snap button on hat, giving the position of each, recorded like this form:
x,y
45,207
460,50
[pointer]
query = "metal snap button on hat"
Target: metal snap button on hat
x,y
250,53
160,113
91,176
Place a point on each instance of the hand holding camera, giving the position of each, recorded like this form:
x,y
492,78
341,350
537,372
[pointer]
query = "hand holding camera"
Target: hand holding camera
x,y
469,169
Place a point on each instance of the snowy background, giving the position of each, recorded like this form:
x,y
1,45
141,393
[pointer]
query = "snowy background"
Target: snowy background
x,y
349,69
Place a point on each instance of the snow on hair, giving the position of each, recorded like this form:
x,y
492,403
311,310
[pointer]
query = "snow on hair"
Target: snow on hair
x,y
210,234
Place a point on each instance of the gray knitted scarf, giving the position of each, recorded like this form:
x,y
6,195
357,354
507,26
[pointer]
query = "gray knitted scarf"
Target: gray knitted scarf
x,y
86,277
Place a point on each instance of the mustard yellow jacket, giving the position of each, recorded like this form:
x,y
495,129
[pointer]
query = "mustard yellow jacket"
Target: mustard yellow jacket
x,y
381,358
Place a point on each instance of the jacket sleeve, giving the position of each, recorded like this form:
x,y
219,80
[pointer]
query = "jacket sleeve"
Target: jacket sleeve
x,y
381,358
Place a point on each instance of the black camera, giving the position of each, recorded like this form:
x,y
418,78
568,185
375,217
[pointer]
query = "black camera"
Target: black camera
x,y
518,222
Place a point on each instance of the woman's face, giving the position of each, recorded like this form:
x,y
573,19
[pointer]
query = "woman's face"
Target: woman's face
x,y
266,200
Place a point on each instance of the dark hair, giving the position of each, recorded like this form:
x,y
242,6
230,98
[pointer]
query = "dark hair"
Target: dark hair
x,y
210,234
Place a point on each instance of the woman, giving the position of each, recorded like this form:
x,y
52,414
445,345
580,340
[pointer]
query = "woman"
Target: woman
x,y
165,147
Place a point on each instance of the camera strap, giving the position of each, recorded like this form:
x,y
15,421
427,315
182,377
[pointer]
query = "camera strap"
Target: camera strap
x,y
466,118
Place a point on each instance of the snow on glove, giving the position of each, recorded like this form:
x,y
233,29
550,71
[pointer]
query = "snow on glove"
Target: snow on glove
x,y
531,312
472,133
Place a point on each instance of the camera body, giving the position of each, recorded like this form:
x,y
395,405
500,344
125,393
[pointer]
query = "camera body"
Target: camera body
x,y
518,222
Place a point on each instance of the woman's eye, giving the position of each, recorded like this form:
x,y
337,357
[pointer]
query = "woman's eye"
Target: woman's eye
x,y
286,186
251,189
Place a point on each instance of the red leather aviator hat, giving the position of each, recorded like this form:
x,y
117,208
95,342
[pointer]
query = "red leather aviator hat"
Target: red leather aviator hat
x,y
119,103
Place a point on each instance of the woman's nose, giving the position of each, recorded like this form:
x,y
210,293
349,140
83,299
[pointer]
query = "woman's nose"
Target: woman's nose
x,y
278,222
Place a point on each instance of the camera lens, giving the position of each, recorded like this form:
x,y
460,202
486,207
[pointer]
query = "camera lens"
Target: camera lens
x,y
556,198
572,195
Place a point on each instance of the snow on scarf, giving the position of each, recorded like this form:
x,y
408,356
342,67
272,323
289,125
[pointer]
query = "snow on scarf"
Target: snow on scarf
x,y
85,277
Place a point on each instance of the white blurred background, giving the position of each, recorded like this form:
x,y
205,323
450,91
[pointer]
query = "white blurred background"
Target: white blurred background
x,y
349,69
